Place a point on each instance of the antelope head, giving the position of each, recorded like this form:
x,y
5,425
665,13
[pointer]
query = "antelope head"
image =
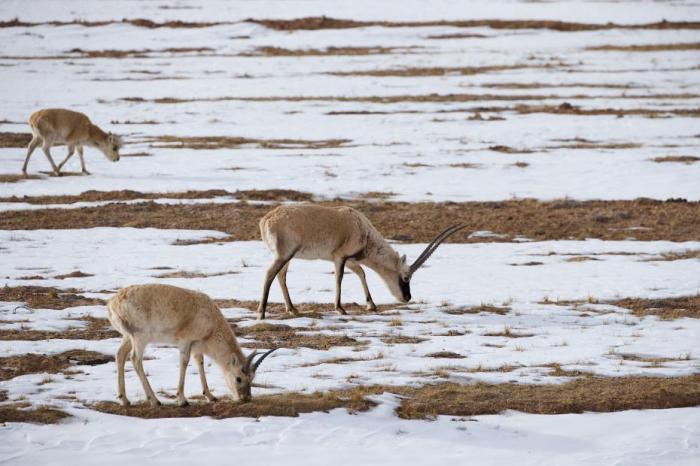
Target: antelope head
x,y
111,146
402,290
245,374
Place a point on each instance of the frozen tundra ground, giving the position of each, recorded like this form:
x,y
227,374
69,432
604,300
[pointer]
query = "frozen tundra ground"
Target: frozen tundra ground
x,y
560,328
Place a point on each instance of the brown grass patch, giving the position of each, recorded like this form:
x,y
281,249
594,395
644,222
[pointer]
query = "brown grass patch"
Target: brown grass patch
x,y
10,178
310,310
15,139
595,394
508,333
582,144
38,415
323,22
341,51
665,308
509,150
676,256
431,71
520,164
677,47
674,220
14,366
461,310
47,297
74,274
128,195
286,404
445,354
229,142
687,159
401,339
144,53
268,335
581,259
94,329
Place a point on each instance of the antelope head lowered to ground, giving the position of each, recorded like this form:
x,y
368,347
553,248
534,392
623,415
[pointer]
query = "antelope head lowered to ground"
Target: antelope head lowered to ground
x,y
60,126
341,235
187,319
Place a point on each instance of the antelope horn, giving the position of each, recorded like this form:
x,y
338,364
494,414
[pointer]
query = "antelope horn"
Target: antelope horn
x,y
434,244
261,358
248,361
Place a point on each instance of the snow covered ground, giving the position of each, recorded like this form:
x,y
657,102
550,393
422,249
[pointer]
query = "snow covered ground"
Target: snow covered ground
x,y
438,137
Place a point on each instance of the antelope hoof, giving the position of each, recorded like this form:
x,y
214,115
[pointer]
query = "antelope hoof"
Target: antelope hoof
x,y
182,403
85,172
371,307
211,398
293,311
340,310
154,402
24,173
261,316
124,401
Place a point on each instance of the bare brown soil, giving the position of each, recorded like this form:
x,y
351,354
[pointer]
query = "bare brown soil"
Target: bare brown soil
x,y
15,139
287,404
648,47
74,274
226,142
39,415
687,159
665,308
128,195
595,394
674,220
47,297
445,354
94,329
14,366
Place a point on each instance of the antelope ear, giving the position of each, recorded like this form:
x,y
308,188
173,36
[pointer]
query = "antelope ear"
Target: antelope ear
x,y
403,259
234,360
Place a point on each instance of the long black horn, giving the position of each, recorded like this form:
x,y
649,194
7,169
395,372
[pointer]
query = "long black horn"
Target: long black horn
x,y
248,361
261,358
434,244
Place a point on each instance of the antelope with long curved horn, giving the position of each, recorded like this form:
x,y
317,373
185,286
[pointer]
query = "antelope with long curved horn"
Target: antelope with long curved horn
x,y
341,235
187,319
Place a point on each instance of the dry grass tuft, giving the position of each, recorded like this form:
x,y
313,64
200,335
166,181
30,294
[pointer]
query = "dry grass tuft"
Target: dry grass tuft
x,y
14,139
509,150
445,354
11,178
39,415
676,47
430,71
74,274
676,256
47,297
665,308
401,339
286,404
14,366
508,333
340,51
687,159
477,309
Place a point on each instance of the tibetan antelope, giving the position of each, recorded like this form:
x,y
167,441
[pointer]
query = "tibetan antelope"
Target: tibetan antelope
x,y
191,321
57,125
341,235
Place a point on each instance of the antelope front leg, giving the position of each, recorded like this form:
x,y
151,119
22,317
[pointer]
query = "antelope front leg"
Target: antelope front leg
x,y
355,267
269,277
33,144
339,269
82,161
47,153
137,361
122,353
203,378
184,360
282,279
71,150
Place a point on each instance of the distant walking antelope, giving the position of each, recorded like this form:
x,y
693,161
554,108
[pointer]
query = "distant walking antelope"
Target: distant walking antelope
x,y
57,125
341,235
191,321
